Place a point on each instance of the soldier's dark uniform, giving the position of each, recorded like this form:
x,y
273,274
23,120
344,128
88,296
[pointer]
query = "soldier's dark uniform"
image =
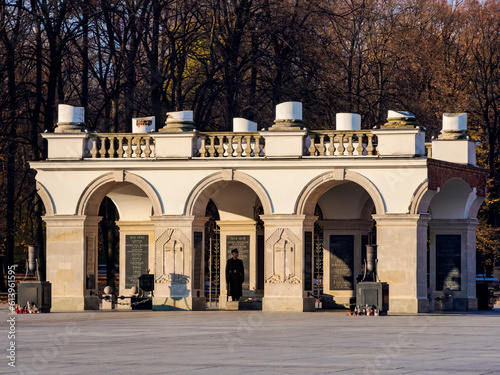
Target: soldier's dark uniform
x,y
235,274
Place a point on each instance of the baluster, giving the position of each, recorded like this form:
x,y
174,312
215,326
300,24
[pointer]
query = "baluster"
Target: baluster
x,y
312,147
350,147
203,147
138,149
220,146
230,148
256,148
112,150
321,147
129,146
248,149
147,149
95,147
370,148
263,147
239,149
120,147
360,147
102,151
331,147
211,150
341,147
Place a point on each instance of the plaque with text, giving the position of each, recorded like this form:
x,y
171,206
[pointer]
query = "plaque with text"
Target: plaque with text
x,y
448,261
198,247
341,262
242,243
136,258
308,261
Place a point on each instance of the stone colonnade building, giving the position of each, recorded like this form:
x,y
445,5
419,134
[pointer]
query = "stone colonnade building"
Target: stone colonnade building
x,y
272,190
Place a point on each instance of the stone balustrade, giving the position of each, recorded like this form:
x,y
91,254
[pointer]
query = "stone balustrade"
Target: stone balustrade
x,y
218,145
231,144
340,143
120,145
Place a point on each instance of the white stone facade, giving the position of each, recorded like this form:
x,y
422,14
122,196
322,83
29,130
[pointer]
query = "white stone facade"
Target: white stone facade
x,y
161,184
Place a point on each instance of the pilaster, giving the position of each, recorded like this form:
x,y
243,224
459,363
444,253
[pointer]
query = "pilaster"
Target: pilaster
x,y
402,260
72,261
288,266
179,263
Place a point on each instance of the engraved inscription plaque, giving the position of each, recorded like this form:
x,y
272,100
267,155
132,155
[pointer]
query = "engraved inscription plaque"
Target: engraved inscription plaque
x,y
448,261
242,243
341,262
136,258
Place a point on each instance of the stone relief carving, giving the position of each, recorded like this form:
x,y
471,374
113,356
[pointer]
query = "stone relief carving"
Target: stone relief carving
x,y
284,248
171,260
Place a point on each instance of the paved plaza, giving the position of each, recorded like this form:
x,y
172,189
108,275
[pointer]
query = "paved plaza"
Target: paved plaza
x,y
252,342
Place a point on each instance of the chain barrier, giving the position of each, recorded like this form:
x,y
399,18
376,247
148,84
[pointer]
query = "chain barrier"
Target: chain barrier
x,y
120,297
135,303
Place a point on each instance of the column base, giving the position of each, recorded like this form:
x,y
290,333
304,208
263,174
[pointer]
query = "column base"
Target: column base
x,y
68,304
288,304
472,304
228,305
179,303
408,305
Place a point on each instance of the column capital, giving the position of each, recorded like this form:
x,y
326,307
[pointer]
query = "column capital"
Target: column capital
x,y
179,220
288,220
232,225
71,220
453,224
401,219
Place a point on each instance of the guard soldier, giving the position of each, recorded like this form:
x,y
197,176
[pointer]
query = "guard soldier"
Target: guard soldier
x,y
235,274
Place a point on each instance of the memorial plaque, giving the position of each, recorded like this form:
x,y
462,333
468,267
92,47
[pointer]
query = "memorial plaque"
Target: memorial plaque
x,y
308,261
341,262
198,243
448,261
136,258
242,243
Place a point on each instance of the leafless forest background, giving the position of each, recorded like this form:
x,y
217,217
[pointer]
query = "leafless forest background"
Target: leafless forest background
x,y
239,58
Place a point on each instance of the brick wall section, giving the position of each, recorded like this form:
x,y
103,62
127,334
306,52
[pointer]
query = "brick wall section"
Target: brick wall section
x,y
438,172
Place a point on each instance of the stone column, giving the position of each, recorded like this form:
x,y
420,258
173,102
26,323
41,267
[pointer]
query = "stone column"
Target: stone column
x,y
137,251
402,260
178,263
72,261
339,265
243,236
452,260
288,269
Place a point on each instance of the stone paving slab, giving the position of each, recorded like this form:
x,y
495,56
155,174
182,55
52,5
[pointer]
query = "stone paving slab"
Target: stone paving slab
x,y
251,342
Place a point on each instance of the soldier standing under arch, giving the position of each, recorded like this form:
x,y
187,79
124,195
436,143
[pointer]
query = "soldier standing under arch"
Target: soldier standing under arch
x,y
235,274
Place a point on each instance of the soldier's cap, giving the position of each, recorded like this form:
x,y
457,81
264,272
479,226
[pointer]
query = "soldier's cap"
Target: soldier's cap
x,y
234,251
